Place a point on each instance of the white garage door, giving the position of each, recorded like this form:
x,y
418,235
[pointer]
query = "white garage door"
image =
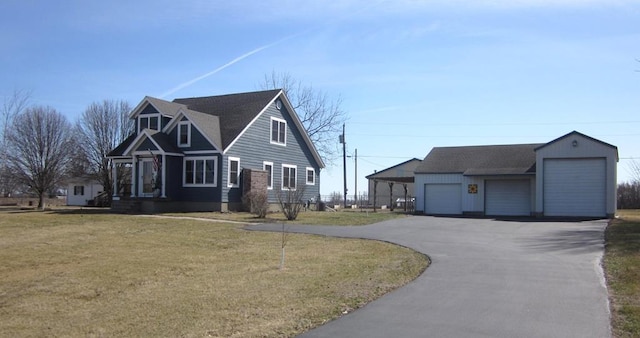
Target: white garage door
x,y
443,199
575,187
508,198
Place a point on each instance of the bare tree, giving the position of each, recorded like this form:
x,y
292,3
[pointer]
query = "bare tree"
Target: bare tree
x,y
634,170
321,116
12,105
39,148
101,128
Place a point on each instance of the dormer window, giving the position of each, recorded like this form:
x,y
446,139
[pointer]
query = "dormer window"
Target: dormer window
x,y
148,122
278,131
184,134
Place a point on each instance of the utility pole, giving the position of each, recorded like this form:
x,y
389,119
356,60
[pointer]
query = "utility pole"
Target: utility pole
x,y
344,165
355,179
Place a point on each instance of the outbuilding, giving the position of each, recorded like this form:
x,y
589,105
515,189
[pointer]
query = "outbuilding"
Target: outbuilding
x,y
571,176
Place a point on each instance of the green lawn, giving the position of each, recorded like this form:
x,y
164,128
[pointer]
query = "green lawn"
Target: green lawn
x,y
92,274
622,266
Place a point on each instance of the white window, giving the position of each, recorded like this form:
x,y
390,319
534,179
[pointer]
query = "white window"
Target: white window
x,y
200,172
148,122
78,190
184,134
234,172
311,176
278,131
289,177
268,167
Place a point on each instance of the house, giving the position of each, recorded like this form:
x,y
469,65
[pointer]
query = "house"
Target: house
x,y
194,154
571,176
393,183
81,191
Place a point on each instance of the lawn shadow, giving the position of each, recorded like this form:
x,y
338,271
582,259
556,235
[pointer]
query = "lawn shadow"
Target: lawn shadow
x,y
577,241
81,211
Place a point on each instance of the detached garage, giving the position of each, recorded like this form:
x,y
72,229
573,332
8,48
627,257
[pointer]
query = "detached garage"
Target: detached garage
x,y
571,176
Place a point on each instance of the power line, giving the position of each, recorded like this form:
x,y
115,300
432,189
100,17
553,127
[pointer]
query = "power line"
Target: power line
x,y
473,124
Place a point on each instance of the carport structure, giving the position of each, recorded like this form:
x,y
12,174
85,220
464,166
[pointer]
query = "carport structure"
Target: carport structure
x,y
397,180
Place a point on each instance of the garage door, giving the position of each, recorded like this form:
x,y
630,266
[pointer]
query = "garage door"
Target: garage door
x,y
575,187
508,198
443,199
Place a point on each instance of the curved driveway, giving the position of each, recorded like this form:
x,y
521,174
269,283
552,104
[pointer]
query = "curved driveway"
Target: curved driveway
x,y
487,278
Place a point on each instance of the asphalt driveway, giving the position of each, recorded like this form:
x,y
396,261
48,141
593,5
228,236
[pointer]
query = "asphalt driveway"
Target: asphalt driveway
x,y
487,278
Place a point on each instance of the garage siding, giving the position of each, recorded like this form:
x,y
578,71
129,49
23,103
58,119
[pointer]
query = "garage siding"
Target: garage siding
x,y
508,197
443,199
575,187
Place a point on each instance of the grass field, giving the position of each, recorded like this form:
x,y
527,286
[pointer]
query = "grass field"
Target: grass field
x,y
622,266
95,275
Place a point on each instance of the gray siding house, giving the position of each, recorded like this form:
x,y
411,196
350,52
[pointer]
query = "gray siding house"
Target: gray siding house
x,y
192,154
571,176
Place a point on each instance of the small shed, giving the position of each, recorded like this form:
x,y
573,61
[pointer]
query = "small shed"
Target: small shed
x,y
82,190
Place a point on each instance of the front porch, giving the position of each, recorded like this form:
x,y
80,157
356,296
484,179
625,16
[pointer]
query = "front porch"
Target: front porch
x,y
151,205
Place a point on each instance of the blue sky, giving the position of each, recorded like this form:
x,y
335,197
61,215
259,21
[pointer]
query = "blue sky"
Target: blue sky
x,y
412,74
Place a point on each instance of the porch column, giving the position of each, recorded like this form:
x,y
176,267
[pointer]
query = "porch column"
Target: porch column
x,y
404,185
375,193
134,164
114,175
391,195
164,175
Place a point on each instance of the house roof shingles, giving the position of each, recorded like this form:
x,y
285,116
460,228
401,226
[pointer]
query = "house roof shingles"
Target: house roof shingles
x,y
235,111
481,160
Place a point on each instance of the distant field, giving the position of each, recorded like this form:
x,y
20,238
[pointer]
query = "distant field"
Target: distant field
x,y
92,274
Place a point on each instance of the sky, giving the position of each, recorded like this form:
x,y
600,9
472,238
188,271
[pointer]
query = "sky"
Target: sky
x,y
412,75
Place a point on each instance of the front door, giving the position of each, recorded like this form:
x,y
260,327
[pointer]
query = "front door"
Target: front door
x,y
145,188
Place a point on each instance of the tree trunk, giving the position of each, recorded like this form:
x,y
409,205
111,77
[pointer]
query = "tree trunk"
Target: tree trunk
x,y
41,201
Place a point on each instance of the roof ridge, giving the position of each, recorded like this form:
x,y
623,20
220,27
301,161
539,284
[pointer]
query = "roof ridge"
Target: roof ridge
x,y
227,95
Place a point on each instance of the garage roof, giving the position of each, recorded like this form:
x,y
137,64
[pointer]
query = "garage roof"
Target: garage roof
x,y
515,159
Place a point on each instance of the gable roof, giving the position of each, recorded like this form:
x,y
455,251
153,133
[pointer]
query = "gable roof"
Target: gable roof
x,y
163,107
576,133
481,160
119,150
159,139
207,125
235,111
399,171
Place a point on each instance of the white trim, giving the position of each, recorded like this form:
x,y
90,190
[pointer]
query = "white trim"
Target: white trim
x,y
141,162
121,159
149,116
269,182
134,169
250,124
280,121
296,121
204,178
145,153
163,192
143,104
178,119
290,166
179,134
138,140
201,152
229,184
306,176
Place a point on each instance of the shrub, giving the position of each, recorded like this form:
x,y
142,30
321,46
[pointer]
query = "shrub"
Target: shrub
x,y
257,203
